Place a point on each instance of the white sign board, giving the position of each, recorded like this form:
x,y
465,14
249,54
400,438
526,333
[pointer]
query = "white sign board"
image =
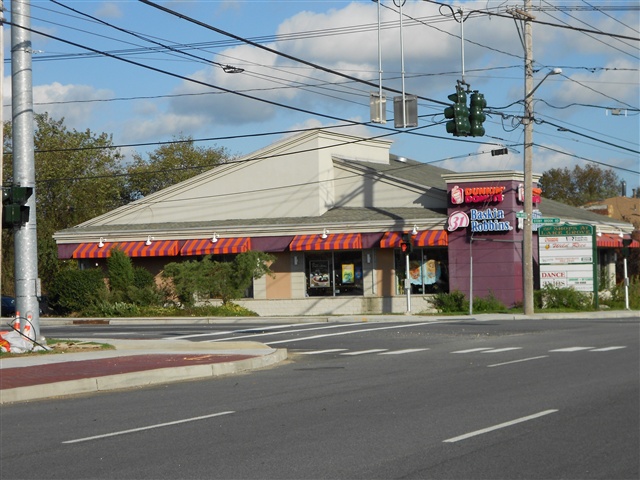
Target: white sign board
x,y
567,257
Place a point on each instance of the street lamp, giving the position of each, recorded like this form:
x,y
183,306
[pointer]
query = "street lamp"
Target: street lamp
x,y
527,244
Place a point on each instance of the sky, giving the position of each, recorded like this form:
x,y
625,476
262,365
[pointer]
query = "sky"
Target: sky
x,y
150,72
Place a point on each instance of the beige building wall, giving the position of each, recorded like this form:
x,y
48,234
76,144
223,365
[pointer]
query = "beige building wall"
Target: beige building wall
x,y
279,286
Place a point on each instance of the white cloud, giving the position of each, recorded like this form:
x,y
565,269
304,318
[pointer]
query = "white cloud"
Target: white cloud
x,y
68,101
109,10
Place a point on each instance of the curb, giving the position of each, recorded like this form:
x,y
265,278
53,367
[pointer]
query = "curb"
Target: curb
x,y
140,379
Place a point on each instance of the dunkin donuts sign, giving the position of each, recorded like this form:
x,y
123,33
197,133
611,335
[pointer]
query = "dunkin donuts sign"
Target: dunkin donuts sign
x,y
461,195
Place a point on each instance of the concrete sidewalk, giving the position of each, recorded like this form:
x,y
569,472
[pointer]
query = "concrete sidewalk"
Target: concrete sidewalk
x,y
133,363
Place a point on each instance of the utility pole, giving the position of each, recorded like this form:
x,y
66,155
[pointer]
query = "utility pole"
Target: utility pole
x,y
1,121
27,284
527,244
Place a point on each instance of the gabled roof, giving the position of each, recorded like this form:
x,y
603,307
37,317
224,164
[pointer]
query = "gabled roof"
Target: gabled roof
x,y
406,169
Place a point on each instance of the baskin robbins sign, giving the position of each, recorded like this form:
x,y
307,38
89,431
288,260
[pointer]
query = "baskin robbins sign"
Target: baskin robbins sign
x,y
487,220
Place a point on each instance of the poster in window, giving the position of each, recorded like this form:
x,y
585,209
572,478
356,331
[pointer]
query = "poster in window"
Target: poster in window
x,y
427,273
319,274
348,273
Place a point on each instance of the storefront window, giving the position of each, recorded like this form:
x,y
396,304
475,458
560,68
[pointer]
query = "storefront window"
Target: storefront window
x,y
428,271
334,273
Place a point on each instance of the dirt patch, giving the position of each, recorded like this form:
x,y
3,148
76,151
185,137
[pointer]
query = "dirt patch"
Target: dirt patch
x,y
68,347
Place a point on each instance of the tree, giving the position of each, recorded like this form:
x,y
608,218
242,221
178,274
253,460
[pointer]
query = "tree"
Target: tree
x,y
79,175
580,185
169,164
224,280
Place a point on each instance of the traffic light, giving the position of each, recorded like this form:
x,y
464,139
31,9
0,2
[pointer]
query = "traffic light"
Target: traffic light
x,y
406,245
626,242
459,126
14,211
476,114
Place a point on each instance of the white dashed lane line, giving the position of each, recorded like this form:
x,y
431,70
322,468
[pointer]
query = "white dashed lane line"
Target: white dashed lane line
x,y
402,352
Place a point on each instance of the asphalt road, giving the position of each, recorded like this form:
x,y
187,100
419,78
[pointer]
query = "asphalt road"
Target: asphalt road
x,y
529,399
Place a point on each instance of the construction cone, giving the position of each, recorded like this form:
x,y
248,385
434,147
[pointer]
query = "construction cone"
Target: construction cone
x,y
28,331
16,322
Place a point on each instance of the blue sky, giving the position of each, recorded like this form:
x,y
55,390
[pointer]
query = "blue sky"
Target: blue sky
x,y
587,113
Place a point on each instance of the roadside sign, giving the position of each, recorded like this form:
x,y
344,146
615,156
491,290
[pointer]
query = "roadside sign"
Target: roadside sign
x,y
521,214
546,220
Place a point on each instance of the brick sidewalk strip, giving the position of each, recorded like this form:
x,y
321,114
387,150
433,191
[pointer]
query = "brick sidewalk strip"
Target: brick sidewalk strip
x,y
75,370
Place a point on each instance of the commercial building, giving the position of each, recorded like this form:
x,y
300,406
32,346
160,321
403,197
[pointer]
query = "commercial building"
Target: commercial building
x,y
333,209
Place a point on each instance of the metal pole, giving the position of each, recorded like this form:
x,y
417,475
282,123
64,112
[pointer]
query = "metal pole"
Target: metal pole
x,y
380,107
1,121
404,106
461,12
527,250
471,276
626,285
407,284
26,246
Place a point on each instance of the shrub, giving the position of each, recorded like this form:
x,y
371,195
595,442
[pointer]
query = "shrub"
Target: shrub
x,y
224,280
488,304
73,290
551,297
121,275
618,295
453,302
143,278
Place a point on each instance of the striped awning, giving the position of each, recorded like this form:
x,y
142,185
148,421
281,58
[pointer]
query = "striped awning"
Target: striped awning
x,y
157,248
334,241
425,238
160,248
204,246
612,240
93,250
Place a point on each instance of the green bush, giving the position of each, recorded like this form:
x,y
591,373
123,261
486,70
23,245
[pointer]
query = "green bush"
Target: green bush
x,y
488,304
73,290
121,275
551,297
111,309
617,300
453,302
143,278
212,279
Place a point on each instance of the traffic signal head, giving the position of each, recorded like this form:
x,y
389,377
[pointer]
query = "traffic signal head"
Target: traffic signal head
x,y
459,113
14,211
406,246
476,114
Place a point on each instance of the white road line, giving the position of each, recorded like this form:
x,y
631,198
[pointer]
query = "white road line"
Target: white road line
x,y
313,337
331,350
497,427
500,350
231,332
255,335
571,349
364,352
517,361
150,427
471,350
400,352
607,349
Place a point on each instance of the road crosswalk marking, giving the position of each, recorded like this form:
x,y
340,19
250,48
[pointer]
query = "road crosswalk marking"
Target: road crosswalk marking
x,y
400,352
385,351
317,352
571,349
471,350
500,350
364,352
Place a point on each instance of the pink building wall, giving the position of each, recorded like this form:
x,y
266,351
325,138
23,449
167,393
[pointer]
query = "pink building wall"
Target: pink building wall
x,y
484,235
